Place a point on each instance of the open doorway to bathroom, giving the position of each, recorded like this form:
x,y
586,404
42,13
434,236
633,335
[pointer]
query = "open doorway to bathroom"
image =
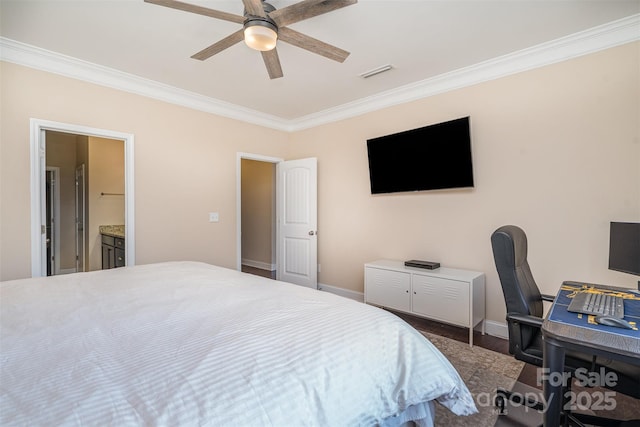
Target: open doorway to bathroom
x,y
94,193
84,190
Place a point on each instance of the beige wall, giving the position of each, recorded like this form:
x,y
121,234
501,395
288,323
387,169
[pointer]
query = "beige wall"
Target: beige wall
x,y
258,213
185,166
556,150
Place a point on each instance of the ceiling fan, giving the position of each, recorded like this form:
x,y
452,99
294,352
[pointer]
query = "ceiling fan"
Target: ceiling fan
x,y
263,25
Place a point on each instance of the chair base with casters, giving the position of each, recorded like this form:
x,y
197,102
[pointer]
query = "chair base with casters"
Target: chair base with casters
x,y
504,398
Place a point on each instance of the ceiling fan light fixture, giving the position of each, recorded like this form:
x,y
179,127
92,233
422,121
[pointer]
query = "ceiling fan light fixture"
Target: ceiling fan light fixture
x,y
260,35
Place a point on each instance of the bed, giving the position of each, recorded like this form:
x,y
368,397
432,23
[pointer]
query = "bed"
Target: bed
x,y
188,343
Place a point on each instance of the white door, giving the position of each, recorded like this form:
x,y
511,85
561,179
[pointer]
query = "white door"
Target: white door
x,y
297,204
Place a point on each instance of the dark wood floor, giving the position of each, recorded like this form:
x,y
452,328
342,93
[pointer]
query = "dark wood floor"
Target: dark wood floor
x,y
528,375
259,272
456,333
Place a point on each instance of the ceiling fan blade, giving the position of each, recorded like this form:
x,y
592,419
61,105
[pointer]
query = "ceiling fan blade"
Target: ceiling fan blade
x,y
306,9
174,4
254,7
219,46
272,62
312,45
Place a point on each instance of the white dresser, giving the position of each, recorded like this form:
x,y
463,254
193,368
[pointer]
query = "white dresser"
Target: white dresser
x,y
445,294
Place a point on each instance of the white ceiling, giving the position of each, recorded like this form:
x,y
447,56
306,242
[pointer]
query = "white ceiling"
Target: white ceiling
x,y
420,39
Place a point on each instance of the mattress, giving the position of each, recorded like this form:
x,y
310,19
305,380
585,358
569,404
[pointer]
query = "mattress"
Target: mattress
x,y
187,343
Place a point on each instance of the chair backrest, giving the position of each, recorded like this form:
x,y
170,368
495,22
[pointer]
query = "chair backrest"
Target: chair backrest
x,y
521,293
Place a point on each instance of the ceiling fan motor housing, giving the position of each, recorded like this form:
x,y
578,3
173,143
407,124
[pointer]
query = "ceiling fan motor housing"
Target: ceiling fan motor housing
x,y
260,21
265,21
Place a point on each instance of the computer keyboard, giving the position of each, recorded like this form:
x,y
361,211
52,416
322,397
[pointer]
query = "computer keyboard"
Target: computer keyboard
x,y
597,304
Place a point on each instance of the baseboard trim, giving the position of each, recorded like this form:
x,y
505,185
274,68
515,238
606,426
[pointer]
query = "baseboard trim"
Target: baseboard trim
x,y
356,296
259,264
496,329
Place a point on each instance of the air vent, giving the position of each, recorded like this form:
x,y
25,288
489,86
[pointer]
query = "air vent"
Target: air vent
x,y
376,71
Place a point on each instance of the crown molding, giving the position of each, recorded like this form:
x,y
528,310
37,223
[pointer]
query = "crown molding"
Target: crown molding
x,y
45,60
602,37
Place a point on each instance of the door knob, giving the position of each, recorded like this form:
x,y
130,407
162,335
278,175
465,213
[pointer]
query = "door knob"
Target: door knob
x,y
311,233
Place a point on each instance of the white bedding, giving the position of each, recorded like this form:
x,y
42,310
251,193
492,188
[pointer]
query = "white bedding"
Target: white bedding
x,y
185,343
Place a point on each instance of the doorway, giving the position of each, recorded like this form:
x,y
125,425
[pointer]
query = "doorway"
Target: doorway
x,y
74,247
295,220
258,217
76,237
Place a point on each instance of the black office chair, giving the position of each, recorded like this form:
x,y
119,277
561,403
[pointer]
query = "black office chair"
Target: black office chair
x,y
524,320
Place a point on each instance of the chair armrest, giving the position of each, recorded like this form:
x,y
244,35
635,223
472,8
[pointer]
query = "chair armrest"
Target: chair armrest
x,y
526,319
549,298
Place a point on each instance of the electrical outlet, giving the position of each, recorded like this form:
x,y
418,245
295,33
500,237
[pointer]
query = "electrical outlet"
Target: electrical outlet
x,y
214,217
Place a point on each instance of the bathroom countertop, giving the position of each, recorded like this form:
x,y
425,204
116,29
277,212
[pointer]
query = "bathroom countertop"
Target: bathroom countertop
x,y
112,230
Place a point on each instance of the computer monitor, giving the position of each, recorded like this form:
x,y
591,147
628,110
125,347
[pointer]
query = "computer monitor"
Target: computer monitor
x,y
624,247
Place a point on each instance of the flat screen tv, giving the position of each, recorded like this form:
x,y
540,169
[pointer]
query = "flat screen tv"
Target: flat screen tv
x,y
624,247
428,158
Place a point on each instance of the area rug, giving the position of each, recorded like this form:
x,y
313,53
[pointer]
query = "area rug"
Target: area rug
x,y
483,371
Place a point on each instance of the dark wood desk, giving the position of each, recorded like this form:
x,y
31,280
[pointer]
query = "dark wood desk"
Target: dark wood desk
x,y
560,336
